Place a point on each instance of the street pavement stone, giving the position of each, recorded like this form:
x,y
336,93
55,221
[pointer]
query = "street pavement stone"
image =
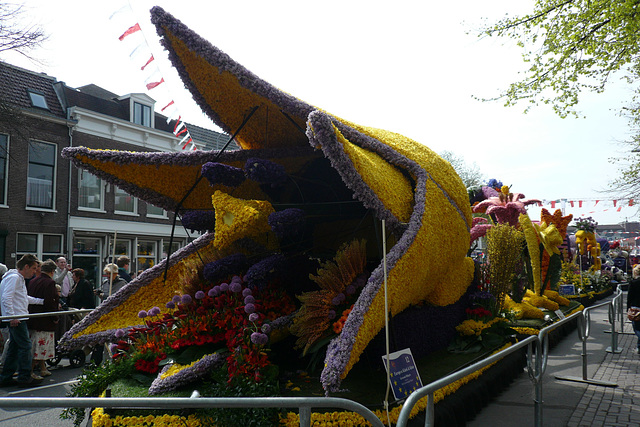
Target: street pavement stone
x,y
620,403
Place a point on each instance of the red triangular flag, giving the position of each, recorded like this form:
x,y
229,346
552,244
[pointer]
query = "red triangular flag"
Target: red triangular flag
x,y
167,106
130,31
186,143
619,208
579,203
614,203
630,202
154,84
596,203
148,62
571,203
553,204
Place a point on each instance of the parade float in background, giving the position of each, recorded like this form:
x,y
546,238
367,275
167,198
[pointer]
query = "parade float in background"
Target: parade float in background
x,y
304,230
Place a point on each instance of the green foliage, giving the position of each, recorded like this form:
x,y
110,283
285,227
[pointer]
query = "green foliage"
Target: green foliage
x,y
241,386
93,381
490,338
572,45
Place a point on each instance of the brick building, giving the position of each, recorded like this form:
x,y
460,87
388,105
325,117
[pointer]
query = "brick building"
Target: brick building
x,y
50,208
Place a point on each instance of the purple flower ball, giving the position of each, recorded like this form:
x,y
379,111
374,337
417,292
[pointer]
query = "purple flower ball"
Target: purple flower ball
x,y
266,328
114,348
350,290
235,287
171,305
200,295
249,308
177,299
186,299
246,292
213,292
236,279
259,338
224,287
142,314
154,311
254,317
338,299
249,299
120,333
331,314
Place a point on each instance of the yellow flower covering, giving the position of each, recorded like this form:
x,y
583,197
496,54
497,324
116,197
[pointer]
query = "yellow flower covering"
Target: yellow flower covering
x,y
533,245
540,301
555,296
423,200
522,310
475,327
99,418
237,218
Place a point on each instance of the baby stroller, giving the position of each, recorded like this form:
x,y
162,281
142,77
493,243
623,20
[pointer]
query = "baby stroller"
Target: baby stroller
x,y
77,357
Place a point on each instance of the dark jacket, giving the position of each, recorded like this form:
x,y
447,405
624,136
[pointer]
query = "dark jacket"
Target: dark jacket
x,y
43,287
633,295
82,296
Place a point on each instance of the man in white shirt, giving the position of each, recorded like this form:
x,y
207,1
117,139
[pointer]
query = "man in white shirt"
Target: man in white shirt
x,y
14,301
62,276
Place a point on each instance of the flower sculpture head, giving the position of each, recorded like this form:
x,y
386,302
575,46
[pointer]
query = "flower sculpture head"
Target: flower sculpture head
x,y
341,172
505,206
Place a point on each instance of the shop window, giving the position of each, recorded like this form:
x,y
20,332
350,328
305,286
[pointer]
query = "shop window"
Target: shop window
x,y
146,254
44,246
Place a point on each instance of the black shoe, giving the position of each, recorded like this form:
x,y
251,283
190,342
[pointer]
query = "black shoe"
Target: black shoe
x,y
31,382
10,382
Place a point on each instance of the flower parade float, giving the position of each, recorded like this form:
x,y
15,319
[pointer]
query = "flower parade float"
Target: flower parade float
x,y
284,292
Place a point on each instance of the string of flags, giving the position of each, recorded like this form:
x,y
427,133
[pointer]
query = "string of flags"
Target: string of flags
x,y
132,37
591,205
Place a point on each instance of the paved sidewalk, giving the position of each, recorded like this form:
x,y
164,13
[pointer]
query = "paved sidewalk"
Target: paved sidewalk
x,y
576,404
608,406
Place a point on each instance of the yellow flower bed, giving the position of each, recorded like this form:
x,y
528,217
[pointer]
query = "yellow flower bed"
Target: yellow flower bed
x,y
475,327
341,419
102,419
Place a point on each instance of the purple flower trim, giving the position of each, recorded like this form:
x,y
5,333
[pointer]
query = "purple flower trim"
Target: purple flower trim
x,y
235,287
258,274
186,299
194,159
198,220
224,267
167,24
249,308
186,376
264,171
287,223
142,314
68,342
219,173
259,338
200,295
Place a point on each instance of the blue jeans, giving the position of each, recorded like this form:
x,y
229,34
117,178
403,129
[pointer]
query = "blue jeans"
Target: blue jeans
x,y
19,354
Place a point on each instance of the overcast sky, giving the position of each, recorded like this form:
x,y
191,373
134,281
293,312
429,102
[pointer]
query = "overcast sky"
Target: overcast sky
x,y
405,66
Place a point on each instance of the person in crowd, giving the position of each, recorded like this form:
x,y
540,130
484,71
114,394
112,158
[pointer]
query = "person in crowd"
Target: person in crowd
x,y
3,269
63,278
14,301
42,329
633,302
112,283
36,274
81,295
123,268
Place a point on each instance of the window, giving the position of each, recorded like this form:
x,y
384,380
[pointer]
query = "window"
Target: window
x,y
87,256
156,211
44,246
125,203
4,168
41,175
90,192
146,254
141,114
174,247
38,100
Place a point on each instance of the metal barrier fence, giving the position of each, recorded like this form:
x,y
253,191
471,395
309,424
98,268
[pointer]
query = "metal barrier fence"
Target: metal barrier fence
x,y
537,357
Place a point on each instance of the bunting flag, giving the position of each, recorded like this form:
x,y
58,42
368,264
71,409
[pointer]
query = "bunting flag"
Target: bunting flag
x,y
142,56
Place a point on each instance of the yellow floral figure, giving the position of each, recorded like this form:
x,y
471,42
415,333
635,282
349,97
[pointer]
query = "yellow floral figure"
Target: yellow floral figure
x,y
396,179
236,219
